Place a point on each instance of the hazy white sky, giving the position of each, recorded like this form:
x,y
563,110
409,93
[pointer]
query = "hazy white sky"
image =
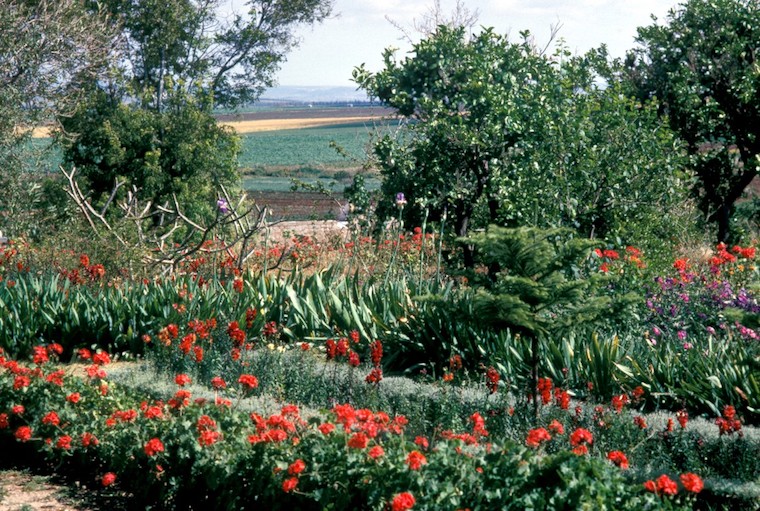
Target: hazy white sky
x,y
359,32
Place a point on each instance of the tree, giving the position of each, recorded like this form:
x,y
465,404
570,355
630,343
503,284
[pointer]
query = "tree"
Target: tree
x,y
702,67
231,56
48,51
466,101
151,124
500,133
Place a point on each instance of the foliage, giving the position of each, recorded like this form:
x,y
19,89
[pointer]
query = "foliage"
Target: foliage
x,y
49,49
498,133
171,454
701,68
180,153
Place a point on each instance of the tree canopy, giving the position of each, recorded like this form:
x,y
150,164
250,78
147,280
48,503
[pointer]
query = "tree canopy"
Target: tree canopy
x,y
702,67
500,133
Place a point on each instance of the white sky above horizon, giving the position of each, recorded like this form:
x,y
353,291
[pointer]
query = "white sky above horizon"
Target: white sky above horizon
x,y
358,32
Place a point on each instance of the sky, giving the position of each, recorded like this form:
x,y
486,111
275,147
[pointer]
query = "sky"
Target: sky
x,y
358,32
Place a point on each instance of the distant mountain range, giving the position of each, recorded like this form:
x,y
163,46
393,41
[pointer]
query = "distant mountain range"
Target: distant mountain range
x,y
313,94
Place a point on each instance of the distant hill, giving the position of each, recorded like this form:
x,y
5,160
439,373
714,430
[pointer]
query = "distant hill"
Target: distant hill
x,y
297,94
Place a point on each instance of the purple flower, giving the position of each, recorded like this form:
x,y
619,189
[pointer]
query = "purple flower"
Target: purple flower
x,y
682,335
223,207
400,200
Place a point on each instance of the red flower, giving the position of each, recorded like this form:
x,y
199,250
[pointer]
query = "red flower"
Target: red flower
x,y
492,380
19,382
618,458
51,418
376,353
248,381
64,442
208,437
358,440
182,380
108,479
415,460
89,439
581,436
650,486
218,383
288,485
326,428
153,447
376,452
375,376
73,397
402,501
237,284
692,482
557,428
23,434
101,358
4,423
17,409
640,422
536,437
422,442
353,359
682,417
666,486
296,467
581,450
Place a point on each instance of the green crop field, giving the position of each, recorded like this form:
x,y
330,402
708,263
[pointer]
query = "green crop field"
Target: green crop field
x,y
307,147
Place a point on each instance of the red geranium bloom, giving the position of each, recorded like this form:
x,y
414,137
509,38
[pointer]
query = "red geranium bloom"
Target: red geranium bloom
x,y
248,381
101,358
296,467
20,382
64,442
17,409
182,380
358,440
536,437
153,447
618,458
402,501
422,442
51,418
108,479
666,486
23,434
692,482
581,436
288,485
376,452
556,427
89,439
415,460
326,428
218,383
73,397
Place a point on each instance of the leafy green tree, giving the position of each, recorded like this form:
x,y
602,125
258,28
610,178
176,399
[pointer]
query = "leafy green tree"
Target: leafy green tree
x,y
499,133
151,124
466,101
48,51
702,67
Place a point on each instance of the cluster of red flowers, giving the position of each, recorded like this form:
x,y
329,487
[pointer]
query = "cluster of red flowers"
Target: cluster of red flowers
x,y
665,486
729,423
492,380
207,431
580,439
618,458
278,427
608,256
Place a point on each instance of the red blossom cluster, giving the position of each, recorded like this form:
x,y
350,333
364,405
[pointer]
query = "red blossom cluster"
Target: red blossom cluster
x,y
728,423
580,439
665,486
278,427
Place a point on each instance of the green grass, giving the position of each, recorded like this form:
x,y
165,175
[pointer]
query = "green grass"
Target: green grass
x,y
308,146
